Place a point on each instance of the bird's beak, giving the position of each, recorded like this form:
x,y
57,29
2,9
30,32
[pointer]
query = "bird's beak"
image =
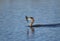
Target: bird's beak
x,y
26,18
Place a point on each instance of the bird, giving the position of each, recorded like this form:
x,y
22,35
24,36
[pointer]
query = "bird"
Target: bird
x,y
32,21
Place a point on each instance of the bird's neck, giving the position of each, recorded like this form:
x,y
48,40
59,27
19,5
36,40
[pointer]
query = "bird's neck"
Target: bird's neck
x,y
31,23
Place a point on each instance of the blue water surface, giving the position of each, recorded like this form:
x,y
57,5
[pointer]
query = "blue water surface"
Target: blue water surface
x,y
13,26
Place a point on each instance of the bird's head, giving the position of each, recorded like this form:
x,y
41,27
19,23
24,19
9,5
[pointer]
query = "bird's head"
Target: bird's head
x,y
26,18
29,18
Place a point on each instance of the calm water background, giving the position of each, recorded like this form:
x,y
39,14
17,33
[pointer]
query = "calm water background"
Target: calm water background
x,y
13,23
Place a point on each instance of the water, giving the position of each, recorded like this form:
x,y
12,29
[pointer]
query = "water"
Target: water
x,y
13,23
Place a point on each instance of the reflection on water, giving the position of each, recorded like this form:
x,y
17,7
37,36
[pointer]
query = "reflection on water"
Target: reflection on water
x,y
43,33
30,36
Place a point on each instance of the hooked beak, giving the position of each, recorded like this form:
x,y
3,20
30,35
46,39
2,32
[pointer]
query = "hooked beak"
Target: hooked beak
x,y
26,18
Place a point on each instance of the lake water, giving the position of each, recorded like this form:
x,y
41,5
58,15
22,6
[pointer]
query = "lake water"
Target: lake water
x,y
13,26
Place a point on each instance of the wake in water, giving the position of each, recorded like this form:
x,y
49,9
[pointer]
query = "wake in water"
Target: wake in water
x,y
46,25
